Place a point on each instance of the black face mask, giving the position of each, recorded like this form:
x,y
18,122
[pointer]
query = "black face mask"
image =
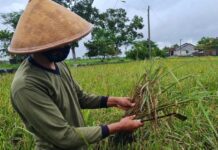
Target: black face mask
x,y
58,54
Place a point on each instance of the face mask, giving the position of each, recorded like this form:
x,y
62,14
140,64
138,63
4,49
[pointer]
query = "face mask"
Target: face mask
x,y
58,54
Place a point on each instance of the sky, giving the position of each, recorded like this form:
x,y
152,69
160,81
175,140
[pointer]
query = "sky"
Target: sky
x,y
171,20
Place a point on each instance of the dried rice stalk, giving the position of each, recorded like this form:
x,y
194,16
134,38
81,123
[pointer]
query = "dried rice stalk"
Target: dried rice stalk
x,y
147,95
149,102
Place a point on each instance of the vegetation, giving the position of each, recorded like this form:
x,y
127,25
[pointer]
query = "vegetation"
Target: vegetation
x,y
84,9
11,20
112,31
79,62
112,28
140,51
208,43
199,131
8,66
5,37
96,61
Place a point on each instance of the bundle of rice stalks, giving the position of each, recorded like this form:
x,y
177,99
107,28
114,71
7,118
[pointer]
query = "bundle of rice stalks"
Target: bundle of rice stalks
x,y
150,96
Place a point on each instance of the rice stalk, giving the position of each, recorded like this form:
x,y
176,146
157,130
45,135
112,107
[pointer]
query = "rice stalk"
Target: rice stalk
x,y
149,96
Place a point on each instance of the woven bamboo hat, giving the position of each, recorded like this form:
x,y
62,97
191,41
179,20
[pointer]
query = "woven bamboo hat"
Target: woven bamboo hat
x,y
45,25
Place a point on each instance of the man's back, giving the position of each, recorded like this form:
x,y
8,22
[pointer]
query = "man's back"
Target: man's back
x,y
47,102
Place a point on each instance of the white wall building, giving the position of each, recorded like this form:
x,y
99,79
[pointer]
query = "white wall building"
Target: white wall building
x,y
186,49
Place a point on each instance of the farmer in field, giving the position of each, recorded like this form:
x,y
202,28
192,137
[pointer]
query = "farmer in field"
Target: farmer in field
x,y
43,92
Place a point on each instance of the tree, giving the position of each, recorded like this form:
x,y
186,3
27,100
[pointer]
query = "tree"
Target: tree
x,y
10,20
115,30
65,3
132,33
140,50
207,43
168,51
5,38
84,9
102,45
116,21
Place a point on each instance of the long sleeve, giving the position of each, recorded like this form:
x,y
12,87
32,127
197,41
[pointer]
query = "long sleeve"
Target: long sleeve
x,y
43,117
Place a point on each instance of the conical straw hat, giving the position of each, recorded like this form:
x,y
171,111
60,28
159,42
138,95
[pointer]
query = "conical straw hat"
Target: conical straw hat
x,y
45,25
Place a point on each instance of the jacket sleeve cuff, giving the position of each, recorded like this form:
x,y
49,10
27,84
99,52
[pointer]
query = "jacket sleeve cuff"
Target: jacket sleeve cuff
x,y
103,102
105,131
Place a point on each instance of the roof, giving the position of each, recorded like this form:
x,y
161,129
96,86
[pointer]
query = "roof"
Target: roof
x,y
184,45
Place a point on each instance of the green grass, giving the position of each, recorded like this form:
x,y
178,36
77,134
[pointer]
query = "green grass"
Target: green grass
x,y
78,62
198,132
8,66
96,61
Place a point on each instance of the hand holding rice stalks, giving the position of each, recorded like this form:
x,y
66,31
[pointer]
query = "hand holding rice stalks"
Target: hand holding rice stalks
x,y
149,93
150,96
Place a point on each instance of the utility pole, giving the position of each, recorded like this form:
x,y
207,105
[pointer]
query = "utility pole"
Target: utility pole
x,y
180,48
149,33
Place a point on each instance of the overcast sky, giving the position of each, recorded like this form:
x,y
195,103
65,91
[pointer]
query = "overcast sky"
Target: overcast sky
x,y
171,20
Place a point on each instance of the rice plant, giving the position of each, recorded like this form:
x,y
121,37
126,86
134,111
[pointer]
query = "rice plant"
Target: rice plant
x,y
195,97
156,97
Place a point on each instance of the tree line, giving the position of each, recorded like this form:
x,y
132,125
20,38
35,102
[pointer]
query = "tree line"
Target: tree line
x,y
113,31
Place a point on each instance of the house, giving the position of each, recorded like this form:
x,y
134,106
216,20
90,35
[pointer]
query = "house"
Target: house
x,y
171,51
211,53
186,49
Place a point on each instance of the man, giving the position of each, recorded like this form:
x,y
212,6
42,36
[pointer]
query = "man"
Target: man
x,y
43,92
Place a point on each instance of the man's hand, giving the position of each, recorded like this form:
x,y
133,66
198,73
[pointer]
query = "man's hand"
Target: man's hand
x,y
120,102
126,124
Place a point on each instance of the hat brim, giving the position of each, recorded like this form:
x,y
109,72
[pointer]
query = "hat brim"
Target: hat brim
x,y
46,47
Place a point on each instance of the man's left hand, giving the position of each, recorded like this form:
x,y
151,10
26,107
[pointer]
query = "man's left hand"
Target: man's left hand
x,y
120,102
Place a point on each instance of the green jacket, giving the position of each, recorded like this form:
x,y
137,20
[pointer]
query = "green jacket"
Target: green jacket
x,y
49,103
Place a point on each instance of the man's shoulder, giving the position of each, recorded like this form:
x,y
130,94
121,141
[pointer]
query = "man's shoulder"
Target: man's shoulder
x,y
26,76
64,69
20,75
62,65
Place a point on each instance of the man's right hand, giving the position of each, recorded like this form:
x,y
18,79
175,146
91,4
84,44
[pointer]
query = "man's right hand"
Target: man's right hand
x,y
126,124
